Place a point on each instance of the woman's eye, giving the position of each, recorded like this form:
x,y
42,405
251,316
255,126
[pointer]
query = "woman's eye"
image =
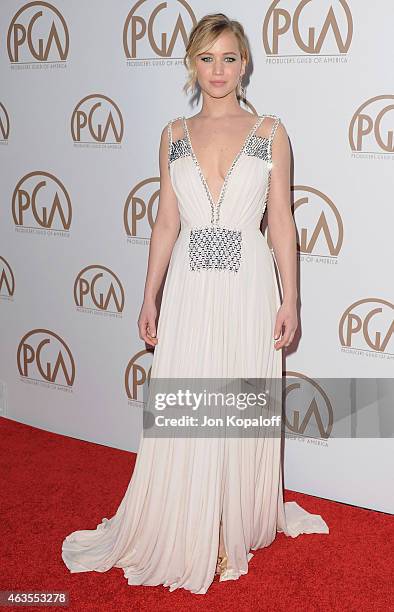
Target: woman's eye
x,y
232,59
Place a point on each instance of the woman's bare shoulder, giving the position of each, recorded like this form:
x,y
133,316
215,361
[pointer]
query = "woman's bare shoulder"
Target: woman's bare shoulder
x,y
176,127
270,125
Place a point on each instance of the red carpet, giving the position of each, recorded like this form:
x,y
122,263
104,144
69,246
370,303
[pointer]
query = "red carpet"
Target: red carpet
x,y
52,485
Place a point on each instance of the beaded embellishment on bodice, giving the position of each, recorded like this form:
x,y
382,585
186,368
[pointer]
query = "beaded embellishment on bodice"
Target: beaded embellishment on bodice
x,y
215,246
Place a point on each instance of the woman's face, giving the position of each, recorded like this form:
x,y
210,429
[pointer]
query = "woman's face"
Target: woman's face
x,y
220,67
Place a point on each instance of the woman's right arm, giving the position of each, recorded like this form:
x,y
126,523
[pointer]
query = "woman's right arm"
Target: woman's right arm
x,y
164,234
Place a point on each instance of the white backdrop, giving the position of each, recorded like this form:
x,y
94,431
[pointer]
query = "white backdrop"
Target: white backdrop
x,y
86,89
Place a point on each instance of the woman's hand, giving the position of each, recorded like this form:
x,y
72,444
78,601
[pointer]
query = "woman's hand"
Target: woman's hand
x,y
147,323
287,318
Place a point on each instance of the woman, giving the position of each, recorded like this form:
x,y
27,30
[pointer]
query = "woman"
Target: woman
x,y
198,505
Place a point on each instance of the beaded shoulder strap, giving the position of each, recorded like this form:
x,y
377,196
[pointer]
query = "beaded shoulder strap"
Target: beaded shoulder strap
x,y
272,134
170,140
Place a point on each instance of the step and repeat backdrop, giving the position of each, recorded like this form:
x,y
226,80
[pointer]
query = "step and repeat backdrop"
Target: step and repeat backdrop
x,y
86,89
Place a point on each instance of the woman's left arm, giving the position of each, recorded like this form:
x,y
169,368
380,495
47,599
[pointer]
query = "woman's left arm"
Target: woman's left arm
x,y
282,234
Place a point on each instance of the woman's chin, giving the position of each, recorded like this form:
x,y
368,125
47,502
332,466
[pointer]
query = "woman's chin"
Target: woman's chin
x,y
218,92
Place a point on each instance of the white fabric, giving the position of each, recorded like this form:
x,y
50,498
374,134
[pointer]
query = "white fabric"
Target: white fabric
x,y
299,521
213,323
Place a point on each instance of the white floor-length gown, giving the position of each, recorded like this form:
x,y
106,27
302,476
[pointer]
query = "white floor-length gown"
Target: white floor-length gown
x,y
217,319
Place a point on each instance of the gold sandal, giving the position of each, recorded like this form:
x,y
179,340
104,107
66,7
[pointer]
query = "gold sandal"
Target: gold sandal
x,y
221,565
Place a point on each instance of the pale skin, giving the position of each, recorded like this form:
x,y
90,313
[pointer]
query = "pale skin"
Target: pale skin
x,y
217,133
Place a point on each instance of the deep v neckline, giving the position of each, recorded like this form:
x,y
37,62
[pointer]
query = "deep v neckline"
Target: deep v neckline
x,y
216,205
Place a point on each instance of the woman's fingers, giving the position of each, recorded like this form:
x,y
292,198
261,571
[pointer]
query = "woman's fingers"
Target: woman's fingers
x,y
278,328
286,338
152,328
151,332
147,331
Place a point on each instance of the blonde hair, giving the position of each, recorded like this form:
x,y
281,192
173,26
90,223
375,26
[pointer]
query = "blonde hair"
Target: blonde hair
x,y
204,34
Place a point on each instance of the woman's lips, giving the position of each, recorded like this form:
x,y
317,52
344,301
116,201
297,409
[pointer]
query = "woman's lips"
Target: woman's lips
x,y
217,83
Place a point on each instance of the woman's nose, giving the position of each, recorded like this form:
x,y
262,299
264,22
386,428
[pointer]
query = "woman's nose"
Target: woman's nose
x,y
218,67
